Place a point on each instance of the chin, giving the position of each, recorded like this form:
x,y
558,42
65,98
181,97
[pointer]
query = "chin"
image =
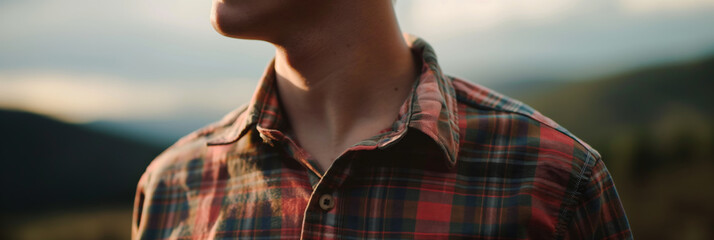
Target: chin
x,y
219,24
226,22
267,20
245,20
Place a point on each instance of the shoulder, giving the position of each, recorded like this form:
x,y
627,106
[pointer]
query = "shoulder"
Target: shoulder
x,y
193,146
481,104
521,146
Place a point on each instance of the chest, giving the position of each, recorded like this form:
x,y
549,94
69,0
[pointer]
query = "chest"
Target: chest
x,y
279,200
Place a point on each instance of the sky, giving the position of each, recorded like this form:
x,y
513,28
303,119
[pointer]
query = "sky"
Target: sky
x,y
83,61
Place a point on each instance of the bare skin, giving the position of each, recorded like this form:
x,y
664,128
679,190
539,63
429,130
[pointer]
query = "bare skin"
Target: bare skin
x,y
343,67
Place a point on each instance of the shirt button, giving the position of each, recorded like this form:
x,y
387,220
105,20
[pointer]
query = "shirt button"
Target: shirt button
x,y
327,202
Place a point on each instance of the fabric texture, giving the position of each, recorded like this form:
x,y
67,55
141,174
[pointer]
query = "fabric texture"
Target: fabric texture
x,y
460,162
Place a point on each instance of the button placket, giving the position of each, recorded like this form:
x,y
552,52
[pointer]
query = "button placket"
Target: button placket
x,y
326,193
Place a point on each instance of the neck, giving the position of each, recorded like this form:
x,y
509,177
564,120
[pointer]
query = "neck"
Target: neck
x,y
344,79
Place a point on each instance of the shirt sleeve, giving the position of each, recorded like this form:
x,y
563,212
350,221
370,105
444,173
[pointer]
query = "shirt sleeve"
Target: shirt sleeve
x,y
599,214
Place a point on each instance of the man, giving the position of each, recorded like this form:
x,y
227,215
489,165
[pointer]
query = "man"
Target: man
x,y
354,132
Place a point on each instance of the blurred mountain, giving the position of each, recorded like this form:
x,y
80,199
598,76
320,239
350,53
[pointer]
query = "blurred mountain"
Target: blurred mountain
x,y
160,132
50,165
668,107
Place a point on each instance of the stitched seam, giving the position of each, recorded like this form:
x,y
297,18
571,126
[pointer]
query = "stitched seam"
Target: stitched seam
x,y
564,216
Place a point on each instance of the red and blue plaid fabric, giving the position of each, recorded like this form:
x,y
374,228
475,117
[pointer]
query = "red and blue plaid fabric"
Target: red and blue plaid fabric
x,y
460,161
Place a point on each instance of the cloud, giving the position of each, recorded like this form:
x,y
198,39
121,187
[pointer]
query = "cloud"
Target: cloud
x,y
503,40
663,6
85,98
134,39
451,18
456,17
179,15
85,60
485,13
169,12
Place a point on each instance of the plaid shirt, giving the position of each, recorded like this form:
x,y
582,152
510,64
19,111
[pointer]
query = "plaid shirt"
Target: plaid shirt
x,y
460,161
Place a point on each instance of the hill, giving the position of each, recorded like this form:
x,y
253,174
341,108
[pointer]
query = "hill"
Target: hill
x,y
49,165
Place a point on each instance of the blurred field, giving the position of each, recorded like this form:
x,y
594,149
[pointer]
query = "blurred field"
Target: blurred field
x,y
81,224
654,128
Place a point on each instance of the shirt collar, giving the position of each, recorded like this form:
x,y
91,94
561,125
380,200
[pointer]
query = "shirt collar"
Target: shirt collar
x,y
431,108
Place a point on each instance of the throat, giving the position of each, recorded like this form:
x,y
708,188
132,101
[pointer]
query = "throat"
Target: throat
x,y
324,147
343,92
